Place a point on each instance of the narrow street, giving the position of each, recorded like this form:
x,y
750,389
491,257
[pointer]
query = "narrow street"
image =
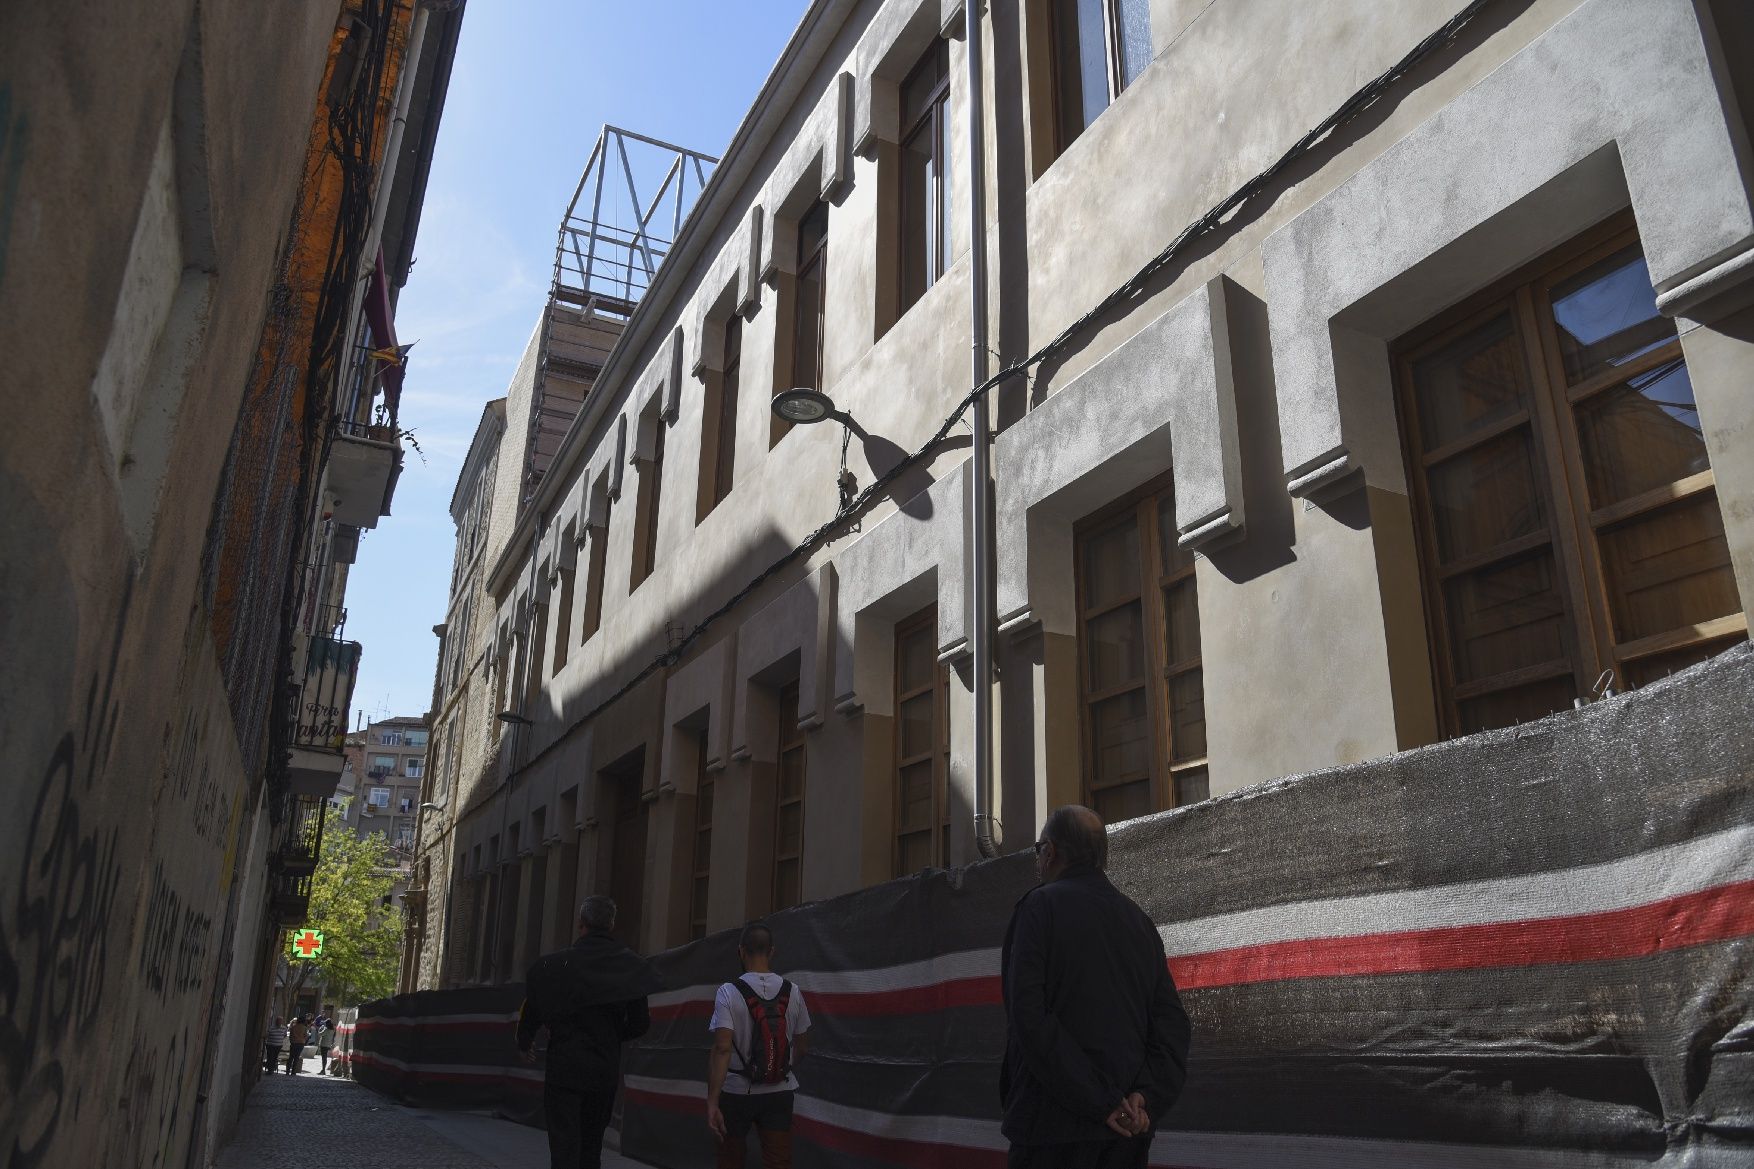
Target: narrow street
x,y
311,1120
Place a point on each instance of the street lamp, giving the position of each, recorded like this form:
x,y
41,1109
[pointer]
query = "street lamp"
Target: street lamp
x,y
516,719
803,406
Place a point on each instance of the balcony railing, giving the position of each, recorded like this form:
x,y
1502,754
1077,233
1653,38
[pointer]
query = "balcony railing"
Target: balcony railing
x,y
289,899
304,838
331,667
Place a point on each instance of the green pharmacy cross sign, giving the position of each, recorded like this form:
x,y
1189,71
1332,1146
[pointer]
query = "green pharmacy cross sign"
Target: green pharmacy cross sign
x,y
307,943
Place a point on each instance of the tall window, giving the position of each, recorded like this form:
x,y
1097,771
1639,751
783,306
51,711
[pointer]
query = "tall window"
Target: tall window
x,y
719,442
592,617
651,485
1567,513
412,767
703,836
925,173
809,304
1144,706
788,836
563,613
1100,47
922,747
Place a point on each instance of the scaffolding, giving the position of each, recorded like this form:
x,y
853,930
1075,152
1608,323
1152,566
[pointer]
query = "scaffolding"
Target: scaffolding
x,y
611,242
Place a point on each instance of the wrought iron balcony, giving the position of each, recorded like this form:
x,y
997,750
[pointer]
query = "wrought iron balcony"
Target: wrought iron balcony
x,y
289,898
304,838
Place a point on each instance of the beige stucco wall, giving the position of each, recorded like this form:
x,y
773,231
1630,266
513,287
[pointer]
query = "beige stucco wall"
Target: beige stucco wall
x,y
135,840
1314,640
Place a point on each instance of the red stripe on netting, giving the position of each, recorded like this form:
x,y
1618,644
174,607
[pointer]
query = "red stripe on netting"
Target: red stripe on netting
x,y
1710,915
666,1101
689,1009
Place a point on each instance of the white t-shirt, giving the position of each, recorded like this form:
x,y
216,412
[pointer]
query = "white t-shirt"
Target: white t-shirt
x,y
729,1010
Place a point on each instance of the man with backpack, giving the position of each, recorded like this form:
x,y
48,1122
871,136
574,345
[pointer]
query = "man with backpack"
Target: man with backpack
x,y
760,1029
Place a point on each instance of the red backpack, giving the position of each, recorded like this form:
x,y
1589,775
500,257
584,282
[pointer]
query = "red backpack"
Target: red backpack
x,y
769,1058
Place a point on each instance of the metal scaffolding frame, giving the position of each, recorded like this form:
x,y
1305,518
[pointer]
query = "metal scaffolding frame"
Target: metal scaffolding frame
x,y
605,257
608,265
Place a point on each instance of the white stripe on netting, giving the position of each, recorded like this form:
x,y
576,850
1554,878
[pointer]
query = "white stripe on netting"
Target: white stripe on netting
x,y
1262,1151
1673,870
1198,1150
906,975
450,1069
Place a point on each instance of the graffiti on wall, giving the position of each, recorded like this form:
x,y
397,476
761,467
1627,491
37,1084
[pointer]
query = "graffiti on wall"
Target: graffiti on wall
x,y
56,933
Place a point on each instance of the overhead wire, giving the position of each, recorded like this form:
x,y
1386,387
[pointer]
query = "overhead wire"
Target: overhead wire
x,y
1135,286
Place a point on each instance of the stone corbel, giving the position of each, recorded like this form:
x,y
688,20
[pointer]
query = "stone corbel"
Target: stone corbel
x,y
731,285
618,465
821,150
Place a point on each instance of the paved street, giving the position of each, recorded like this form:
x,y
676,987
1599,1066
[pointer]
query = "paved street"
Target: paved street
x,y
295,1122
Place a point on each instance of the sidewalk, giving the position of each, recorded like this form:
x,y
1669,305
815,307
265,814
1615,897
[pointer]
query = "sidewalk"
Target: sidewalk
x,y
310,1120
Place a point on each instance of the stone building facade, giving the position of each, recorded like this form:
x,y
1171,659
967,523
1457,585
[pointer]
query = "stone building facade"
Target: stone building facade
x,y
174,374
1438,427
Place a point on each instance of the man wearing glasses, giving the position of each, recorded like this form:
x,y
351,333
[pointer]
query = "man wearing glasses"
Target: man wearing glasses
x,y
1096,1041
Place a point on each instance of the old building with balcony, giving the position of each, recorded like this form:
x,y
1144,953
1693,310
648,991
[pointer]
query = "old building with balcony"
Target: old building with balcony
x,y
1340,416
205,215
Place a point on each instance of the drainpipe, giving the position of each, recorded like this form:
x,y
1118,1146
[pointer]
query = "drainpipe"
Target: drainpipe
x,y
981,500
398,124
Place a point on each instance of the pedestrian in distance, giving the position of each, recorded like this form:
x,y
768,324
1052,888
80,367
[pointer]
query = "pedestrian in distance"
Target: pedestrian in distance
x,y
272,1042
325,1038
592,998
1096,1041
761,1028
299,1034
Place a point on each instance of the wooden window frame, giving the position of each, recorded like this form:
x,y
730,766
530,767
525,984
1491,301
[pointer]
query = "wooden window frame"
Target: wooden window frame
x,y
1111,51
719,440
806,369
933,119
790,740
596,572
1165,772
647,511
701,876
1573,526
939,753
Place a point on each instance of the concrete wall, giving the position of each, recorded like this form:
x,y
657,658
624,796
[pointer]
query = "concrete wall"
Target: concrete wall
x,y
1251,370
150,162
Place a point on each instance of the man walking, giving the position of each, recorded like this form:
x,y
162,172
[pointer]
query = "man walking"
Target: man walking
x,y
1096,1041
592,997
760,1029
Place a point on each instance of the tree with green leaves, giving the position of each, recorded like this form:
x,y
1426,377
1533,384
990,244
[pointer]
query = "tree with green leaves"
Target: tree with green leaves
x,y
362,935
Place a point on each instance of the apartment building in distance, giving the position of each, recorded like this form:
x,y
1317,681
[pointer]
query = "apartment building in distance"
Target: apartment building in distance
x,y
1434,422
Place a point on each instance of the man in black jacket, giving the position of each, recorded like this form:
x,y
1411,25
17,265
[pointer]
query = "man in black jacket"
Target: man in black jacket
x,y
592,997
1096,1041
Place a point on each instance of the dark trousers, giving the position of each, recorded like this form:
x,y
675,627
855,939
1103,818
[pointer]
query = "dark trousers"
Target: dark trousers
x,y
576,1120
1133,1153
270,1057
295,1058
325,1052
770,1114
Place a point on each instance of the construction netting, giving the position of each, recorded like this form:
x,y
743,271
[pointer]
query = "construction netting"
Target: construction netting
x,y
1527,947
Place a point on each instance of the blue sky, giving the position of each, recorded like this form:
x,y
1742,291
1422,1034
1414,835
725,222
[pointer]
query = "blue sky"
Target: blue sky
x,y
534,80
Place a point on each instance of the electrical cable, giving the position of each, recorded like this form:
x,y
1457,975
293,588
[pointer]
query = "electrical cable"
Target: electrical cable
x,y
1134,287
